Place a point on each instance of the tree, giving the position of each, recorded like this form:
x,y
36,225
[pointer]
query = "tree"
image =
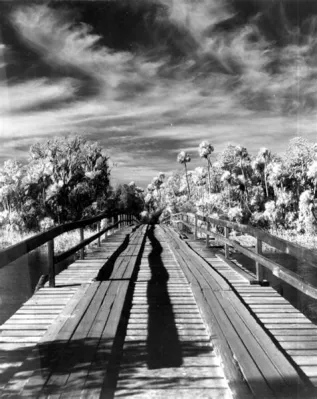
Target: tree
x,y
205,150
260,165
183,158
128,198
73,175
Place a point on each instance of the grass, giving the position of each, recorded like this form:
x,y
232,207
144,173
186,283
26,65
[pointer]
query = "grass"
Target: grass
x,y
61,243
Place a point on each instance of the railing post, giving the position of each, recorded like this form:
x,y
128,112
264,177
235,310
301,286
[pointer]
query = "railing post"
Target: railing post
x,y
195,231
226,245
51,265
82,250
207,235
106,227
258,267
99,243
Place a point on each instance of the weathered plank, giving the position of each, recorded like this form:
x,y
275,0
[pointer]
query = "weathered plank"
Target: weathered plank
x,y
278,316
164,311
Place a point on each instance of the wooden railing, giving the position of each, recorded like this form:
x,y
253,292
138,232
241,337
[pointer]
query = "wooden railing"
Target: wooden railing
x,y
195,222
166,219
14,252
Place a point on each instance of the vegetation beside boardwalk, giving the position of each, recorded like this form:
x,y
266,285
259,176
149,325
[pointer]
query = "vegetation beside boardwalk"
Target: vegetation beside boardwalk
x,y
64,179
68,178
269,191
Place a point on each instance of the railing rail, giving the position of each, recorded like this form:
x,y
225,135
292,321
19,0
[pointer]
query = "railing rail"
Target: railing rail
x,y
310,256
14,252
166,219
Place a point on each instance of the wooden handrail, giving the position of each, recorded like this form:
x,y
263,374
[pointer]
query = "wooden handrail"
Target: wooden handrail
x,y
310,256
166,218
282,245
82,244
14,252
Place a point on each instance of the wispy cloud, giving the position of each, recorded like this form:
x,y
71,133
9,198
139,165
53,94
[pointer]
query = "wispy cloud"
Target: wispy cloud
x,y
199,75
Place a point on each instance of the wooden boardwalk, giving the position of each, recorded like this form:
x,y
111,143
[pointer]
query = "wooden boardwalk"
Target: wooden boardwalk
x,y
291,330
167,351
48,307
146,316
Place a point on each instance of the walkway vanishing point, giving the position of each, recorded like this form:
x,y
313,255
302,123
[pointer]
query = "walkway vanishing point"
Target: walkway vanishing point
x,y
148,314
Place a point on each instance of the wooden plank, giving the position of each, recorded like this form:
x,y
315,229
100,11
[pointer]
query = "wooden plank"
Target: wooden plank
x,y
232,371
203,267
96,381
31,378
83,360
68,358
24,327
283,332
128,273
252,374
243,273
305,360
13,323
21,333
251,331
298,338
299,345
286,320
190,271
281,326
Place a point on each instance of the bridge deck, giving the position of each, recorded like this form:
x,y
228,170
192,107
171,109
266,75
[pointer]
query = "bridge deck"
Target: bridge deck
x,y
293,333
167,351
158,321
48,306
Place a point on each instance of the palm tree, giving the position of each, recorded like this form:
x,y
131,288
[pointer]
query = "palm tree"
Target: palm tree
x,y
265,155
183,158
205,150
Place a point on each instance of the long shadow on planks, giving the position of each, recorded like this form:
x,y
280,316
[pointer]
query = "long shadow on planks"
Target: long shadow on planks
x,y
63,367
78,360
163,346
106,271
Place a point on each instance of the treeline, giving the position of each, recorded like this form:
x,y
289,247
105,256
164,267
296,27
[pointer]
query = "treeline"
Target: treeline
x,y
64,179
265,190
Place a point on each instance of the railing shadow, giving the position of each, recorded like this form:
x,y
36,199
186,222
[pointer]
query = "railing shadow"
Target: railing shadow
x,y
163,346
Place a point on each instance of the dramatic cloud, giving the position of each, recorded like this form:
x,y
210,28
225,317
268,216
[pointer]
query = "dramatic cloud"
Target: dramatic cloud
x,y
149,78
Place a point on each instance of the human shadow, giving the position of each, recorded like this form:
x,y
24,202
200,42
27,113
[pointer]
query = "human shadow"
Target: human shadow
x,y
163,345
108,268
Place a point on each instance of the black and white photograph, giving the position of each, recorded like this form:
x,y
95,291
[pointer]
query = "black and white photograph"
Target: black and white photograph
x,y
158,199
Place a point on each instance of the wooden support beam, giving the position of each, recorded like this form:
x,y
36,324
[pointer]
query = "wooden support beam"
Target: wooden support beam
x,y
51,264
107,223
99,243
226,245
82,251
207,235
258,267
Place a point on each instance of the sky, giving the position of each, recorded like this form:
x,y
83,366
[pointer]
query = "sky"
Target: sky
x,y
149,78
